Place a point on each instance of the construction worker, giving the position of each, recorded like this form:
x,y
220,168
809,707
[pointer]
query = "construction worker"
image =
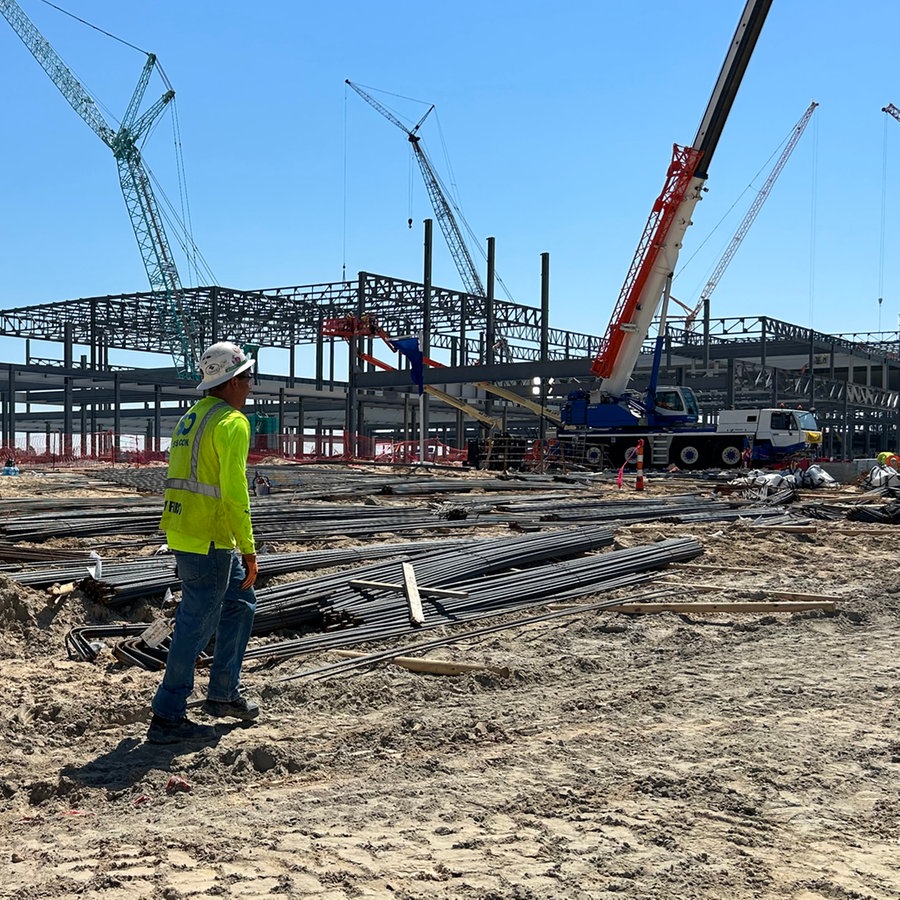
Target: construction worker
x,y
206,518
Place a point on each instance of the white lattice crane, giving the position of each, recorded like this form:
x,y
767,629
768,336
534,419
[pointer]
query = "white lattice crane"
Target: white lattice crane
x,y
751,214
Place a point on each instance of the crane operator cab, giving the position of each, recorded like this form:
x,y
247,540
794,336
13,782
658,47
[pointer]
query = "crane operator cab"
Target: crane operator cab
x,y
676,405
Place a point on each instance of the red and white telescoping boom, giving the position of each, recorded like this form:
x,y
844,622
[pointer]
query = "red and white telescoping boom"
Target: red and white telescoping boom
x,y
658,250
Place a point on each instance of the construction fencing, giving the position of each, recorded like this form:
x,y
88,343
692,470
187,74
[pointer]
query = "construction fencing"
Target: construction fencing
x,y
106,448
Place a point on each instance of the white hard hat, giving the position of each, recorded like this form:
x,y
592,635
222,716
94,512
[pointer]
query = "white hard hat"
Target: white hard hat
x,y
221,362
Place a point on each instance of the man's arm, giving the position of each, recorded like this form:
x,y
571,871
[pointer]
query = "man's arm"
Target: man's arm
x,y
233,444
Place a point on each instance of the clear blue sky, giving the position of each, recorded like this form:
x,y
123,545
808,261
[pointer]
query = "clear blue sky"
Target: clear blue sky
x,y
554,126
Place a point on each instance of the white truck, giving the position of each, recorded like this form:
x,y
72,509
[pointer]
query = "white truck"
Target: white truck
x,y
772,434
752,436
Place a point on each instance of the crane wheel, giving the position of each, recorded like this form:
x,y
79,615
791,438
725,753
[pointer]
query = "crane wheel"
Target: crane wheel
x,y
593,456
688,456
731,456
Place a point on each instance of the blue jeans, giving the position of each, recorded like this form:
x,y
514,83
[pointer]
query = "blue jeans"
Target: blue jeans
x,y
212,602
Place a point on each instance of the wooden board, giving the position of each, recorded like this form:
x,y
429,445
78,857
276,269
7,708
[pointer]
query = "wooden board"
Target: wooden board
x,y
724,607
413,599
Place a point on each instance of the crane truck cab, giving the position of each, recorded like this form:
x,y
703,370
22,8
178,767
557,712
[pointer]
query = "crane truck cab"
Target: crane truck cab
x,y
666,407
773,433
676,404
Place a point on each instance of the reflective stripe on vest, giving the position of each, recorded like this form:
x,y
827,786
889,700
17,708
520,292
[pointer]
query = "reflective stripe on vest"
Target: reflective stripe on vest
x,y
191,484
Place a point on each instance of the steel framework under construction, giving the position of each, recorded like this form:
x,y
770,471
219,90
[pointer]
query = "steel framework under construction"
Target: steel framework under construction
x,y
852,381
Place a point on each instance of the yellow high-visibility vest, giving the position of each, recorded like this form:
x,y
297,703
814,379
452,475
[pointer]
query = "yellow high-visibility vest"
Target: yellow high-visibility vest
x,y
207,500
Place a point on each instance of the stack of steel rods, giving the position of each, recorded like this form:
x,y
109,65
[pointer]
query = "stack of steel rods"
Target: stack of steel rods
x,y
370,659
42,575
286,519
497,595
494,578
80,640
385,614
473,559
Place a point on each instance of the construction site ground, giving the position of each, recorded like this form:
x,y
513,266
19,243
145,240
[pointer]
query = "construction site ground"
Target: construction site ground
x,y
671,755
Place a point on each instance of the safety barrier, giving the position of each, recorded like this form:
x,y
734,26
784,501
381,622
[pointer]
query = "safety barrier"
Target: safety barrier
x,y
105,448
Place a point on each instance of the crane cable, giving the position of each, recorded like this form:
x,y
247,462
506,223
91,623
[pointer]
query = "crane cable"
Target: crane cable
x,y
884,164
344,175
182,223
65,12
778,150
813,198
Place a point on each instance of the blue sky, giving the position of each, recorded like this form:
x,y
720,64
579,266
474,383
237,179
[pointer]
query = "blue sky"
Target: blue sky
x,y
554,126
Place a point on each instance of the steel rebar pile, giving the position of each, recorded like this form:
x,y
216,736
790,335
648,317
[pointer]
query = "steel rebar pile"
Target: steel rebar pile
x,y
124,581
472,559
386,615
300,518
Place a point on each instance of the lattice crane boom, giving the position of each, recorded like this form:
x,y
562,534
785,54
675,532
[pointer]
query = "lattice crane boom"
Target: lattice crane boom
x,y
891,110
751,214
437,195
140,200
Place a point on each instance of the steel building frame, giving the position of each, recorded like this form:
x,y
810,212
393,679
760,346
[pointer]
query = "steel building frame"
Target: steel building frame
x,y
853,381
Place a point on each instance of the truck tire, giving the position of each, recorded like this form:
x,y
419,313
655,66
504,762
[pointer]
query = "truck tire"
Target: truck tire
x,y
688,455
593,456
731,456
629,457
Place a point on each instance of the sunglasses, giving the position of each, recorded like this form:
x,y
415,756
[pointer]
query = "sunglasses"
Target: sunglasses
x,y
244,376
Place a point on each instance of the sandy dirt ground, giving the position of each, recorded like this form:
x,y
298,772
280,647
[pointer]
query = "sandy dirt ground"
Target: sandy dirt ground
x,y
668,756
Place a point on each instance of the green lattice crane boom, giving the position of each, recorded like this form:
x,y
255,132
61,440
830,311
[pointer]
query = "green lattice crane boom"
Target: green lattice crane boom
x,y
140,201
438,196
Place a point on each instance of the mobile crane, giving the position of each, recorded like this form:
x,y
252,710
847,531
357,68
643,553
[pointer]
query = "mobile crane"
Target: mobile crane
x,y
607,422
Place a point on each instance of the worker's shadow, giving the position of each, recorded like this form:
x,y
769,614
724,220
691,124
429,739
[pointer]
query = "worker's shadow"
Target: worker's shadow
x,y
132,758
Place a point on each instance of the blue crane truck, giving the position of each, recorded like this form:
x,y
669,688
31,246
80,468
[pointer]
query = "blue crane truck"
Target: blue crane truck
x,y
603,425
604,435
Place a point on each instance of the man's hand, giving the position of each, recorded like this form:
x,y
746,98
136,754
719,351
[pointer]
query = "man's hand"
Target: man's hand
x,y
252,571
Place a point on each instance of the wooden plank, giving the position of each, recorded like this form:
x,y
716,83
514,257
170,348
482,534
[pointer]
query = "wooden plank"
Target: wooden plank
x,y
778,595
413,599
788,529
724,607
425,591
433,666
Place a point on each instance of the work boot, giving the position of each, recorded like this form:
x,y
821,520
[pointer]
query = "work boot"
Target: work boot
x,y
167,731
235,709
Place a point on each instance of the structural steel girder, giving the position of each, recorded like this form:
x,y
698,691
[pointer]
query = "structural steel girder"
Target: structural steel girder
x,y
288,316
